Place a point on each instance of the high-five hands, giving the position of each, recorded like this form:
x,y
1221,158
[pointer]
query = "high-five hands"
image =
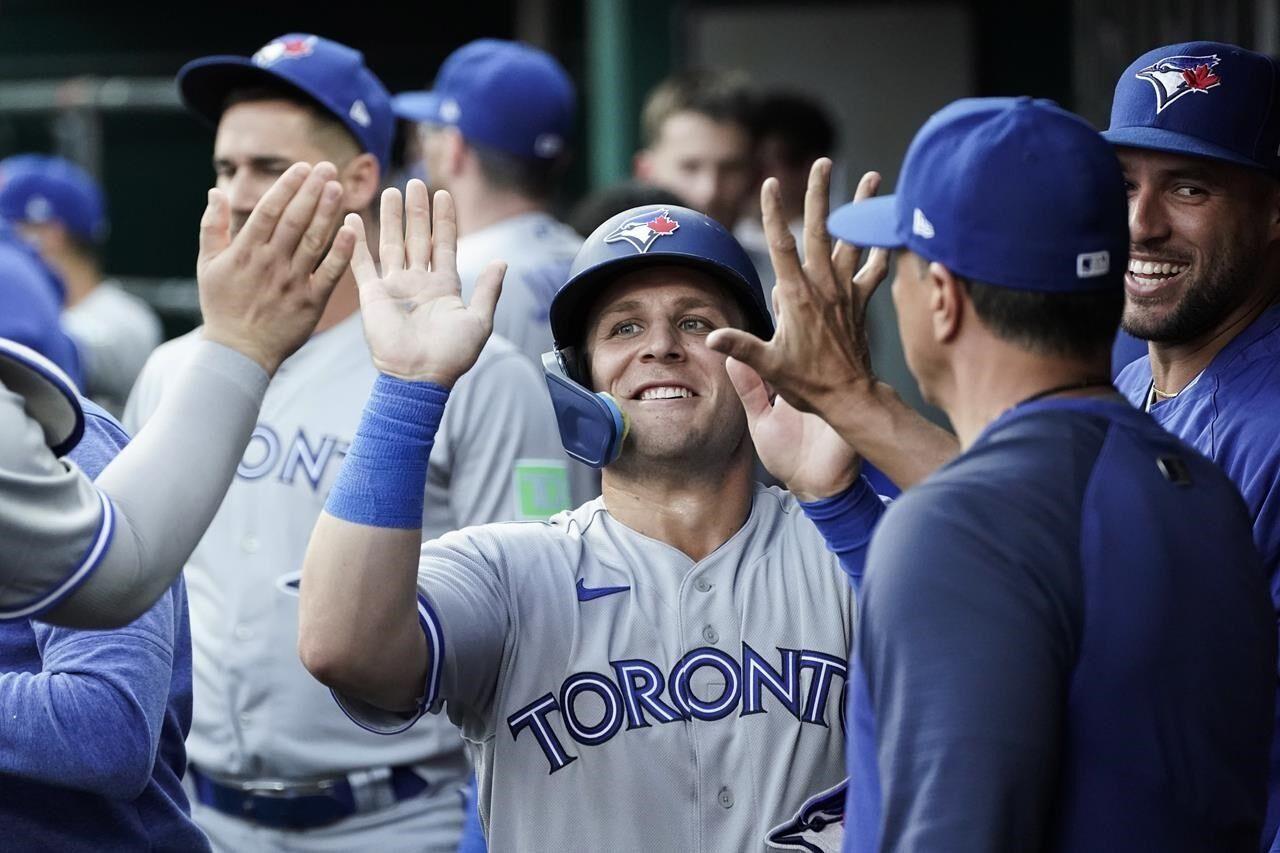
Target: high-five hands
x,y
262,291
415,321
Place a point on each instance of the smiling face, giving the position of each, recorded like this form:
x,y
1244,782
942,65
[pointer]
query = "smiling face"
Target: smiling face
x,y
646,345
1198,232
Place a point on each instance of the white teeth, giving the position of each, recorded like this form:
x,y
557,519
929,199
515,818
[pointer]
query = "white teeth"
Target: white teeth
x,y
1150,268
665,392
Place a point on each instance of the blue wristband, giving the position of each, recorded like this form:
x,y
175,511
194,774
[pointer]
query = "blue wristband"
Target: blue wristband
x,y
846,522
383,478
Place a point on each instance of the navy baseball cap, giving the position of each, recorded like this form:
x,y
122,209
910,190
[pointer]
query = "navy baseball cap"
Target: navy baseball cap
x,y
331,74
38,188
1012,192
1204,99
503,94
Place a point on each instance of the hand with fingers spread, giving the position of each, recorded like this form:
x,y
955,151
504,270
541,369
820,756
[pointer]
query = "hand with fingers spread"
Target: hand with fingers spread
x,y
415,321
800,449
819,351
263,289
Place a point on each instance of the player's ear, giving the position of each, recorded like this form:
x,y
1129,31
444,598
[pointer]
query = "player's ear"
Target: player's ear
x,y
947,297
361,182
642,165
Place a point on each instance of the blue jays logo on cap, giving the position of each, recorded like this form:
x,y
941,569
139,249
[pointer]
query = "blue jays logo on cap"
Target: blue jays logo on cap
x,y
285,48
1175,76
642,231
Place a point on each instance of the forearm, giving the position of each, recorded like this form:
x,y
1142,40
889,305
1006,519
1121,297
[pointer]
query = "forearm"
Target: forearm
x,y
889,434
359,630
168,484
846,521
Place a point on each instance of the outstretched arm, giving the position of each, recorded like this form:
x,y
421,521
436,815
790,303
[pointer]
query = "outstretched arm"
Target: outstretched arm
x,y
359,622
819,359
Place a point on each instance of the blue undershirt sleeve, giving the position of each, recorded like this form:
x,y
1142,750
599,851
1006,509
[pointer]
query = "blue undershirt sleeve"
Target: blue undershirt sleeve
x,y
846,521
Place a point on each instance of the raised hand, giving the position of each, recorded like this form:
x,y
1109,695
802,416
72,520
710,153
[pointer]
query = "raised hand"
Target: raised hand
x,y
800,449
415,321
819,351
263,290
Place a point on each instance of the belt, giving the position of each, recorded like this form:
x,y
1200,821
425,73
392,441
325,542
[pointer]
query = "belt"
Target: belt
x,y
307,805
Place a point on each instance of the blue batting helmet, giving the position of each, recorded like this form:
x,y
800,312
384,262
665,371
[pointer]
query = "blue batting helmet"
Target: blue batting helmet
x,y
655,235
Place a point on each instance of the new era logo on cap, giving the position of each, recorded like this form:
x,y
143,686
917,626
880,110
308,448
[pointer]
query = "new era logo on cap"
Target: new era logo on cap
x,y
920,225
1175,76
1093,264
643,231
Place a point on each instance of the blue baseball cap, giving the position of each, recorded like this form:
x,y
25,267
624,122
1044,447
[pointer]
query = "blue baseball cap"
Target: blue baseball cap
x,y
32,298
1013,192
38,188
1202,98
331,74
503,94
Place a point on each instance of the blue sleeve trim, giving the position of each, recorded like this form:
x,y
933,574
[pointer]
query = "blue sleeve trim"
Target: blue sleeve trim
x,y
430,625
90,561
846,522
384,475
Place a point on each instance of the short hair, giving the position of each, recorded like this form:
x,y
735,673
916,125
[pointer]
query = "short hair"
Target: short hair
x,y
1074,325
603,204
801,124
535,179
722,96
327,125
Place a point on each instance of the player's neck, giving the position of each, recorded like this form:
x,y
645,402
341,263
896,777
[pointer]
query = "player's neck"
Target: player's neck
x,y
1174,365
693,514
479,206
985,385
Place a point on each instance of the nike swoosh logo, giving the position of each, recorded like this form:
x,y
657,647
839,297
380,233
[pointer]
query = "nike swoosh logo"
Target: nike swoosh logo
x,y
586,593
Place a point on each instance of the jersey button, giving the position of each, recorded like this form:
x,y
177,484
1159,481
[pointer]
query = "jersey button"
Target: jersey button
x,y
726,798
702,585
243,632
250,544
709,634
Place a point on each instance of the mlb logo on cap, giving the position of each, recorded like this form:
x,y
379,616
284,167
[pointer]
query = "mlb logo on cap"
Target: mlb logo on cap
x,y
1202,99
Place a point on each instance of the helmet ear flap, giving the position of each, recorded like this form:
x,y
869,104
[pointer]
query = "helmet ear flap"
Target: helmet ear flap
x,y
592,426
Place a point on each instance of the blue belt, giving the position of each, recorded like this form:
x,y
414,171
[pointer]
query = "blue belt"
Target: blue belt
x,y
307,805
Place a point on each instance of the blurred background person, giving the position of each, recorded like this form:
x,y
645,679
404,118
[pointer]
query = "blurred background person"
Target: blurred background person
x,y
61,210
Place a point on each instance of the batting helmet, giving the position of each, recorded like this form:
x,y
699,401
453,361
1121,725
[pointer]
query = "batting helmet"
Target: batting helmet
x,y
592,425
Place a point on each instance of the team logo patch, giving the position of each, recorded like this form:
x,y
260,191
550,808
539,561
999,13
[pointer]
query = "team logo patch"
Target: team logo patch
x,y
642,231
290,48
1175,76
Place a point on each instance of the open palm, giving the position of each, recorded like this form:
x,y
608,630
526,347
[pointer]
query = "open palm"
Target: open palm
x,y
800,449
416,324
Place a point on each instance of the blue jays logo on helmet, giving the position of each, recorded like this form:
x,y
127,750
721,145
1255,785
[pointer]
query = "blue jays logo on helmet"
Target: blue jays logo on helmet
x,y
643,231
1175,76
292,47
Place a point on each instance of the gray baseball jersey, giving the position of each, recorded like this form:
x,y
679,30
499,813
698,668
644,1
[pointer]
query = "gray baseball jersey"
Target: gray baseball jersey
x,y
538,250
258,713
616,695
54,525
114,331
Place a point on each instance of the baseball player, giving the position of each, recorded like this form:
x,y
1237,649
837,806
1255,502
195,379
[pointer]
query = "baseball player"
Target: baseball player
x,y
98,556
60,209
1026,607
659,669
495,130
1197,129
273,762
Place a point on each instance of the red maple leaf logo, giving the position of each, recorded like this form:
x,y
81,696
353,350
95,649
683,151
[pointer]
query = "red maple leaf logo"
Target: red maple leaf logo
x,y
295,47
1201,78
663,224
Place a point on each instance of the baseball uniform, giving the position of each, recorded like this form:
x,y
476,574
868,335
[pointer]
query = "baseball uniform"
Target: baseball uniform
x,y
1225,414
114,332
259,715
93,751
615,694
1049,651
538,250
